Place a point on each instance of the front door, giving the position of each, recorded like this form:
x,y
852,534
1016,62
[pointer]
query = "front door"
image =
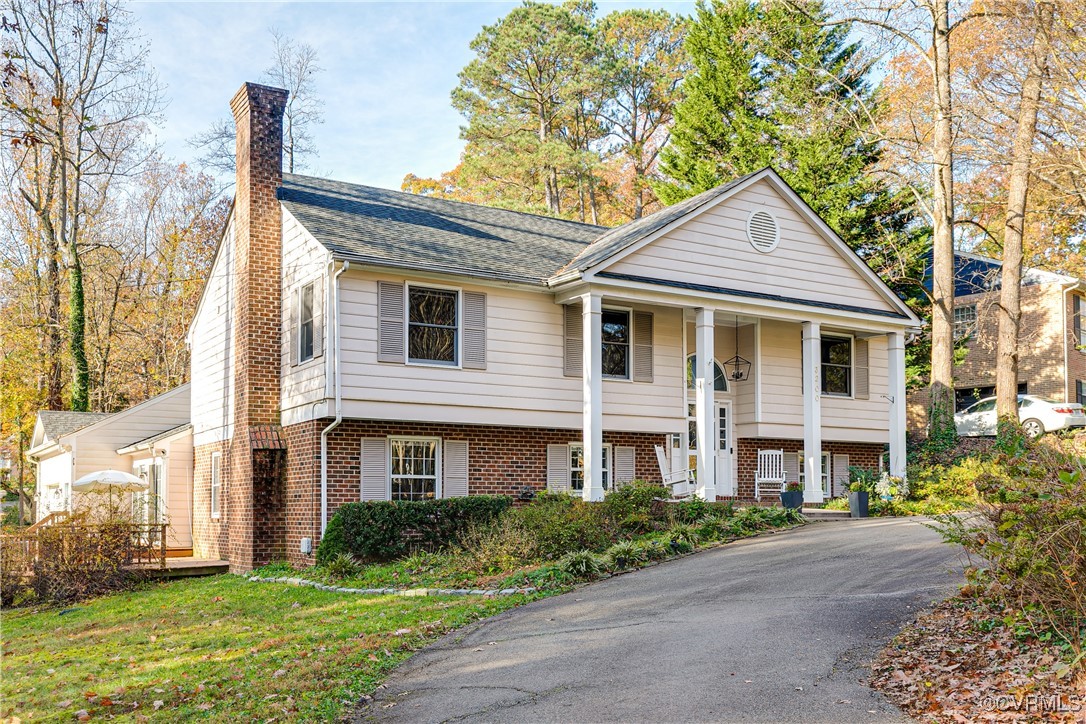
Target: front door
x,y
725,453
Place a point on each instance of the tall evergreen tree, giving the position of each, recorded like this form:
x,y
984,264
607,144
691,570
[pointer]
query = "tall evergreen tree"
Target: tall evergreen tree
x,y
773,87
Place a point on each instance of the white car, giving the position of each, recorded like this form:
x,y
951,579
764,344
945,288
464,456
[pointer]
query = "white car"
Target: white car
x,y
1036,416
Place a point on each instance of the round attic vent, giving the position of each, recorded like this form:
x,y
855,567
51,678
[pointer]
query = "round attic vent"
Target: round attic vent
x,y
763,232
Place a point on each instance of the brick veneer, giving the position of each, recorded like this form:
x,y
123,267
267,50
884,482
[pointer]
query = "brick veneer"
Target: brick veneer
x,y
862,454
210,538
1046,318
501,461
256,454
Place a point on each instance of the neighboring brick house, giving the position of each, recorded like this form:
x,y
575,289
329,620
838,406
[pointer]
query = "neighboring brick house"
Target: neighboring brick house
x,y
354,343
1051,344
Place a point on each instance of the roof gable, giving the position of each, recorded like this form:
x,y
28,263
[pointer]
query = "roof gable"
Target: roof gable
x,y
705,243
402,230
51,425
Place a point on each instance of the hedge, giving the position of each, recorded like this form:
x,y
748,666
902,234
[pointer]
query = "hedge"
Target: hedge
x,y
385,530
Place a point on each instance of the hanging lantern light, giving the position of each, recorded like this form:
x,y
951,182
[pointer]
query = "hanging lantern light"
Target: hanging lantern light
x,y
737,368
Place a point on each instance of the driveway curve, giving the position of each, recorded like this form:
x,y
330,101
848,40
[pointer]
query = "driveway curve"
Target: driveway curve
x,y
775,629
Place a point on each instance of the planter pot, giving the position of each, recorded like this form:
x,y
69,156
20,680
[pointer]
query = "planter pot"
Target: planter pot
x,y
792,499
857,504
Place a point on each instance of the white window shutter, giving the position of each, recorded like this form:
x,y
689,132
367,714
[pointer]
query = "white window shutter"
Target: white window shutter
x,y
625,464
293,308
390,310
574,340
318,316
375,468
558,468
642,346
839,475
791,467
474,335
454,482
861,365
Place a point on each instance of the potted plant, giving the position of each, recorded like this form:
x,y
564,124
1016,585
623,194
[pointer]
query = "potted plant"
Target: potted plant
x,y
792,496
857,499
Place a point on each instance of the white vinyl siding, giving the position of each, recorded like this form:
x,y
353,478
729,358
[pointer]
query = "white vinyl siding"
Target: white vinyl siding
x,y
211,349
524,382
305,262
714,250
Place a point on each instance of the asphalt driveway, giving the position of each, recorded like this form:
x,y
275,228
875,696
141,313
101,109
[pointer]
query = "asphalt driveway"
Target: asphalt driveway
x,y
774,629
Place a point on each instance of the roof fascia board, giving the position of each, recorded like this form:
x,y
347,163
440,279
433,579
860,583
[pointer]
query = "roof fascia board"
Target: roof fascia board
x,y
125,413
642,243
640,292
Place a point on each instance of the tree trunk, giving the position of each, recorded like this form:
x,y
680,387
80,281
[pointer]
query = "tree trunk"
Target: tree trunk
x,y
1010,309
942,306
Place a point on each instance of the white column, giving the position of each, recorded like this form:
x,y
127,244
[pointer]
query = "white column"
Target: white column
x,y
592,373
896,373
703,402
812,412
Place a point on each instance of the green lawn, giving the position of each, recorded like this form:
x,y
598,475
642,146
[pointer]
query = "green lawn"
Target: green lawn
x,y
215,648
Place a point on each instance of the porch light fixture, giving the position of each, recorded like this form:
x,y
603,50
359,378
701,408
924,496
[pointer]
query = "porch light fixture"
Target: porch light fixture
x,y
737,369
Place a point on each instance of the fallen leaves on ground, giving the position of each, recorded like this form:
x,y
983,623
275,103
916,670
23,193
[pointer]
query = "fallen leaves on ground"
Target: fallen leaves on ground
x,y
962,663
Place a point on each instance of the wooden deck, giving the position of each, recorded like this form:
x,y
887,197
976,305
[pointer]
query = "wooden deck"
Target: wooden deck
x,y
187,567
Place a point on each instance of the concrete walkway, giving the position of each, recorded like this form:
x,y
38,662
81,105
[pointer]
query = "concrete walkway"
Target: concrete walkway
x,y
775,629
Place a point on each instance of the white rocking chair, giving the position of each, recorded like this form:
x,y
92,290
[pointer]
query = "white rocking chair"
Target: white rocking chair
x,y
770,473
678,480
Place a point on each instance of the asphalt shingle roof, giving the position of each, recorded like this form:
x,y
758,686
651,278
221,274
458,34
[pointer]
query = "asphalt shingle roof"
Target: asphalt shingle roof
x,y
56,423
393,228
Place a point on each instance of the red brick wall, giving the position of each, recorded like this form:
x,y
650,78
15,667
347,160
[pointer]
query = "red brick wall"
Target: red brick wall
x,y
865,455
210,538
501,461
255,454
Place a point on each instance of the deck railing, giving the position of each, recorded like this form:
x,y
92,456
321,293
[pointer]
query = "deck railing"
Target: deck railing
x,y
125,544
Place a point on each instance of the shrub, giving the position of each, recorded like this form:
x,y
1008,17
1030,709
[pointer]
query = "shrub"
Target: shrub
x,y
691,510
504,545
654,550
561,523
74,562
1030,528
625,554
637,507
580,565
384,530
343,565
686,532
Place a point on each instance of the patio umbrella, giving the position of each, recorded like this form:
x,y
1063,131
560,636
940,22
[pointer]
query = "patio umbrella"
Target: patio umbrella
x,y
108,481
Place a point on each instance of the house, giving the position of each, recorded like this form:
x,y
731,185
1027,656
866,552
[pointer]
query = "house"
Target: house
x,y
152,440
354,343
1051,343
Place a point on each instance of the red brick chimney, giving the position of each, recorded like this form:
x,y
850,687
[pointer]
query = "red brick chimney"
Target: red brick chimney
x,y
256,512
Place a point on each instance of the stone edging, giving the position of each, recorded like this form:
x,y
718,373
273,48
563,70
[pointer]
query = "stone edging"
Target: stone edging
x,y
408,592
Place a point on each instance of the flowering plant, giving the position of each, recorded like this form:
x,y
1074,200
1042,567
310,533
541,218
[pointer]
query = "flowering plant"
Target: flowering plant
x,y
891,486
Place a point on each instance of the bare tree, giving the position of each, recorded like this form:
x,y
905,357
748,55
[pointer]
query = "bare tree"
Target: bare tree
x,y
76,91
295,67
1010,307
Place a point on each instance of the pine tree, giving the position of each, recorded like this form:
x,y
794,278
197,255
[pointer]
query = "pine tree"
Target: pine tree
x,y
772,87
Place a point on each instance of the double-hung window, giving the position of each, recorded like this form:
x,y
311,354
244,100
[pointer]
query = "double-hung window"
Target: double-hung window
x,y
216,484
837,366
576,467
306,323
414,465
433,317
616,343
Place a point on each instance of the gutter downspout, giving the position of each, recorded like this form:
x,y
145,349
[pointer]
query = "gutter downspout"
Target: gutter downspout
x,y
339,399
1066,357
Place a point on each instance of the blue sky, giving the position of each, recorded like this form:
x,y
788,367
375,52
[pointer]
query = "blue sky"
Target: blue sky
x,y
389,68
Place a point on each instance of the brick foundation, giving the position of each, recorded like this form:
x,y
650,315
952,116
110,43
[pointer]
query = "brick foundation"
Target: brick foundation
x,y
501,461
862,454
